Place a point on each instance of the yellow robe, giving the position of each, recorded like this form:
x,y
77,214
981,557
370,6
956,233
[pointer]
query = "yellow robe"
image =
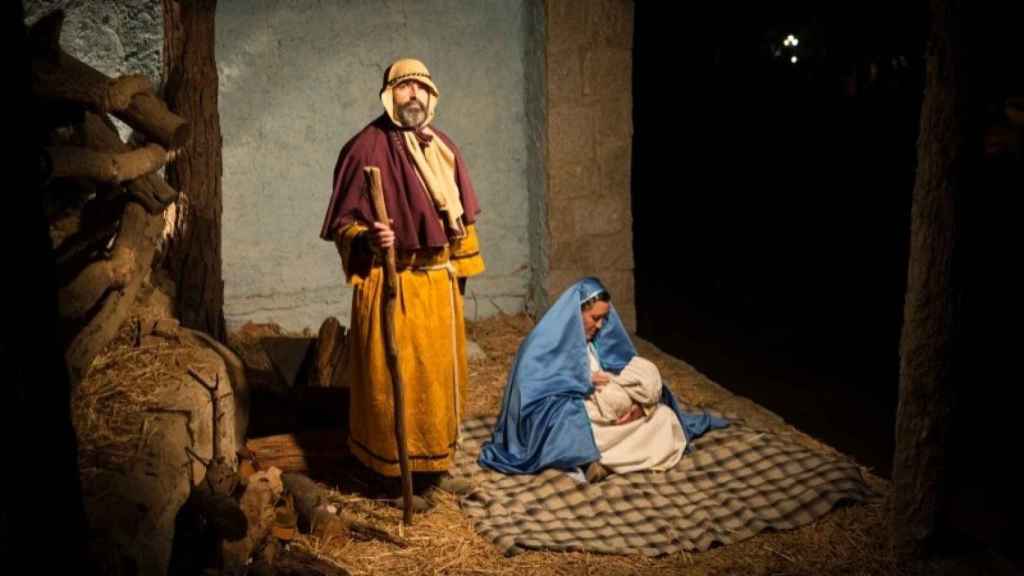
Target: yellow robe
x,y
430,333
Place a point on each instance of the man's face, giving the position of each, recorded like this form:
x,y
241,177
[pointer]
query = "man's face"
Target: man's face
x,y
410,99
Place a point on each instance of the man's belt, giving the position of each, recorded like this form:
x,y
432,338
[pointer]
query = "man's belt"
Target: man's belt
x,y
420,260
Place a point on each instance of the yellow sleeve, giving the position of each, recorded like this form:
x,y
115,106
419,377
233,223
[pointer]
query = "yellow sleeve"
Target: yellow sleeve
x,y
354,262
466,257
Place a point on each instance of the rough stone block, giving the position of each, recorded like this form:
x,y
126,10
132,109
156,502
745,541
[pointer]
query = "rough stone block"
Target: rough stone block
x,y
610,23
570,136
600,216
607,73
564,77
566,253
559,220
610,252
615,160
566,23
614,120
573,180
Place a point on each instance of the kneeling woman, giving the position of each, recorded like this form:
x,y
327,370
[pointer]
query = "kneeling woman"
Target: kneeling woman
x,y
578,394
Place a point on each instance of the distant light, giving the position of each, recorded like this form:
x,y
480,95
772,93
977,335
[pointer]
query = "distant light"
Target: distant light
x,y
795,41
791,41
793,59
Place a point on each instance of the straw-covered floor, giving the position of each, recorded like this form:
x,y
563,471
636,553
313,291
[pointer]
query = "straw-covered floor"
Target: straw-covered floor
x,y
850,540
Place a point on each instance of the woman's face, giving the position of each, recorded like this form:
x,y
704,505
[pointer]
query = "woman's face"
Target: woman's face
x,y
594,317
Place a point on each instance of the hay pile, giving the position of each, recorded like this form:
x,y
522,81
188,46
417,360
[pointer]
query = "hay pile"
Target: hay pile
x,y
112,405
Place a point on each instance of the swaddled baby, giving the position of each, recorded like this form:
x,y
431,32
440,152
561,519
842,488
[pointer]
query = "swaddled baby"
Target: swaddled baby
x,y
639,382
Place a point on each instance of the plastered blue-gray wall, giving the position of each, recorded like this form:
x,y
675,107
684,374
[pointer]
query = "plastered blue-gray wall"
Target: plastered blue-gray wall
x,y
299,78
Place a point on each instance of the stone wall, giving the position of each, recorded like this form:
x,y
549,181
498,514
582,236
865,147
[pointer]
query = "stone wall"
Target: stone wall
x,y
589,138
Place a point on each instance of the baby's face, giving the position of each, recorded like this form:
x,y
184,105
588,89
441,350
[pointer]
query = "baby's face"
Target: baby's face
x,y
594,317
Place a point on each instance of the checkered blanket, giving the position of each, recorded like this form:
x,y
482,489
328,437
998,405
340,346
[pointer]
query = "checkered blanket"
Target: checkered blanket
x,y
735,483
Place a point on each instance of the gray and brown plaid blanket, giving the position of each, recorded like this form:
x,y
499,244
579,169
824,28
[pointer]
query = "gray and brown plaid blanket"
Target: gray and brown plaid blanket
x,y
735,483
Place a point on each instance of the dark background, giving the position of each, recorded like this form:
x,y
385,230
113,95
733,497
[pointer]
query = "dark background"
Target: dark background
x,y
771,206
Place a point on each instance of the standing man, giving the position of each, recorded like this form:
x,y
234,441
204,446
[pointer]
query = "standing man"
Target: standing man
x,y
432,207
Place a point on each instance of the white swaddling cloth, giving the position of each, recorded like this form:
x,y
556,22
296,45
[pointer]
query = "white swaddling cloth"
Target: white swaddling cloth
x,y
639,382
654,442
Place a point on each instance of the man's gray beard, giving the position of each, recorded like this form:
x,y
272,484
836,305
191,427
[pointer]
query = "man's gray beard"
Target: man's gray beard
x,y
411,116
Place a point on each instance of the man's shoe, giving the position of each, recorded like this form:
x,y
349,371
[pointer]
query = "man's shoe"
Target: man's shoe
x,y
426,484
419,503
453,485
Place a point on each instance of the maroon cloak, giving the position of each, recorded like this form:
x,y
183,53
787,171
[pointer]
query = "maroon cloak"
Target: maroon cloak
x,y
416,221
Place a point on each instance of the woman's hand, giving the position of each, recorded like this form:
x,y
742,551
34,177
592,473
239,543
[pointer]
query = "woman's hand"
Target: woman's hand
x,y
635,412
600,378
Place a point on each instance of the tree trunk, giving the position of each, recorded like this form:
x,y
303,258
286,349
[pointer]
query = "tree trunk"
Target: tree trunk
x,y
194,251
925,395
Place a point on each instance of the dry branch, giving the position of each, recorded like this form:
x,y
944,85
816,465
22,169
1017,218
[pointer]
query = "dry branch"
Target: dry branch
x,y
139,230
98,133
107,167
76,299
236,374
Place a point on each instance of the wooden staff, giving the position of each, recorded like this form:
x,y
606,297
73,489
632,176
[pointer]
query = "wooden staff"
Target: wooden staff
x,y
380,213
